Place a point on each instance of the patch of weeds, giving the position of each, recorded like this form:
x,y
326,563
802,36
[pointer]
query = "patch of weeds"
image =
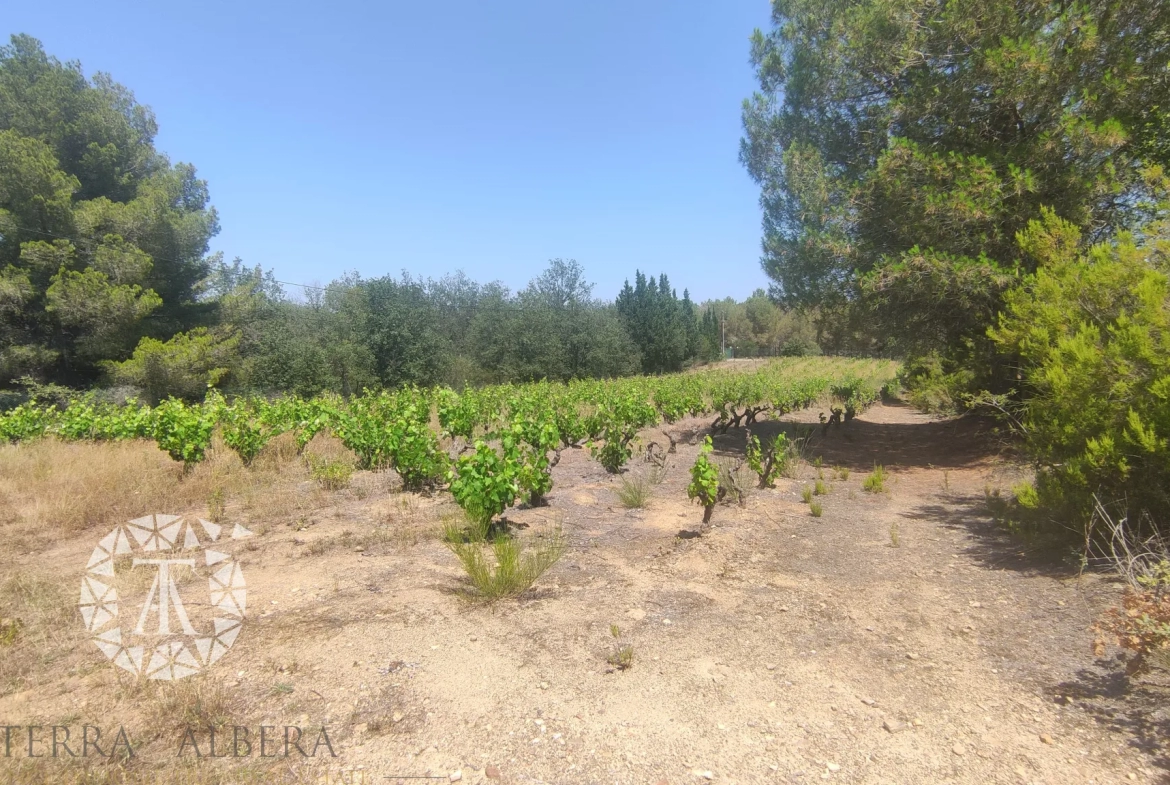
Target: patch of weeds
x,y
330,474
895,541
281,688
325,544
842,472
9,629
806,493
816,509
820,489
876,481
192,702
516,567
946,480
622,657
634,491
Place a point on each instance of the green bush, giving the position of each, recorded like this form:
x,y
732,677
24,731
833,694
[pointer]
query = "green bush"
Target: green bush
x,y
876,481
704,485
770,459
484,484
183,367
936,384
1092,333
516,567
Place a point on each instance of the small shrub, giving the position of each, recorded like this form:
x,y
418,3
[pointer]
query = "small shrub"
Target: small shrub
x,y
1141,624
876,481
516,568
771,459
622,658
1140,555
936,384
816,509
634,492
329,474
842,472
484,484
806,493
820,489
704,485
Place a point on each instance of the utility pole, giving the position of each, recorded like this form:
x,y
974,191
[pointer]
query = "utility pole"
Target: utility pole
x,y
723,343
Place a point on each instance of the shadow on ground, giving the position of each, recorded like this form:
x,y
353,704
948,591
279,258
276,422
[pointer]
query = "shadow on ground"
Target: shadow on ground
x,y
1133,707
859,444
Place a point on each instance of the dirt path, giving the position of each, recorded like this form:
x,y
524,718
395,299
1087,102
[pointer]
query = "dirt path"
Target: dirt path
x,y
774,647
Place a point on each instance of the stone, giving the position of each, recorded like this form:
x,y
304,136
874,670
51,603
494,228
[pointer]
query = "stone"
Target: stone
x,y
833,767
1044,737
911,656
703,774
492,772
893,726
455,776
958,749
869,701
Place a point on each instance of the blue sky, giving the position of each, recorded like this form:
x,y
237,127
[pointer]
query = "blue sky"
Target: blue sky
x,y
432,137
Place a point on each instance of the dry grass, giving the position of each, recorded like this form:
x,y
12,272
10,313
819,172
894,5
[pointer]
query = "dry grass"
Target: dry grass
x,y
67,487
42,629
634,491
195,702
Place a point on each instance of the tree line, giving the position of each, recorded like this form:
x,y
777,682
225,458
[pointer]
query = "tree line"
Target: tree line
x,y
106,281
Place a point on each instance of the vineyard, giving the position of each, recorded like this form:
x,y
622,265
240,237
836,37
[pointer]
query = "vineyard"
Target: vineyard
x,y
729,557
490,446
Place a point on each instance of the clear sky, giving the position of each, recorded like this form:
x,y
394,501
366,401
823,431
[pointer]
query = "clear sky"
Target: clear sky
x,y
431,137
